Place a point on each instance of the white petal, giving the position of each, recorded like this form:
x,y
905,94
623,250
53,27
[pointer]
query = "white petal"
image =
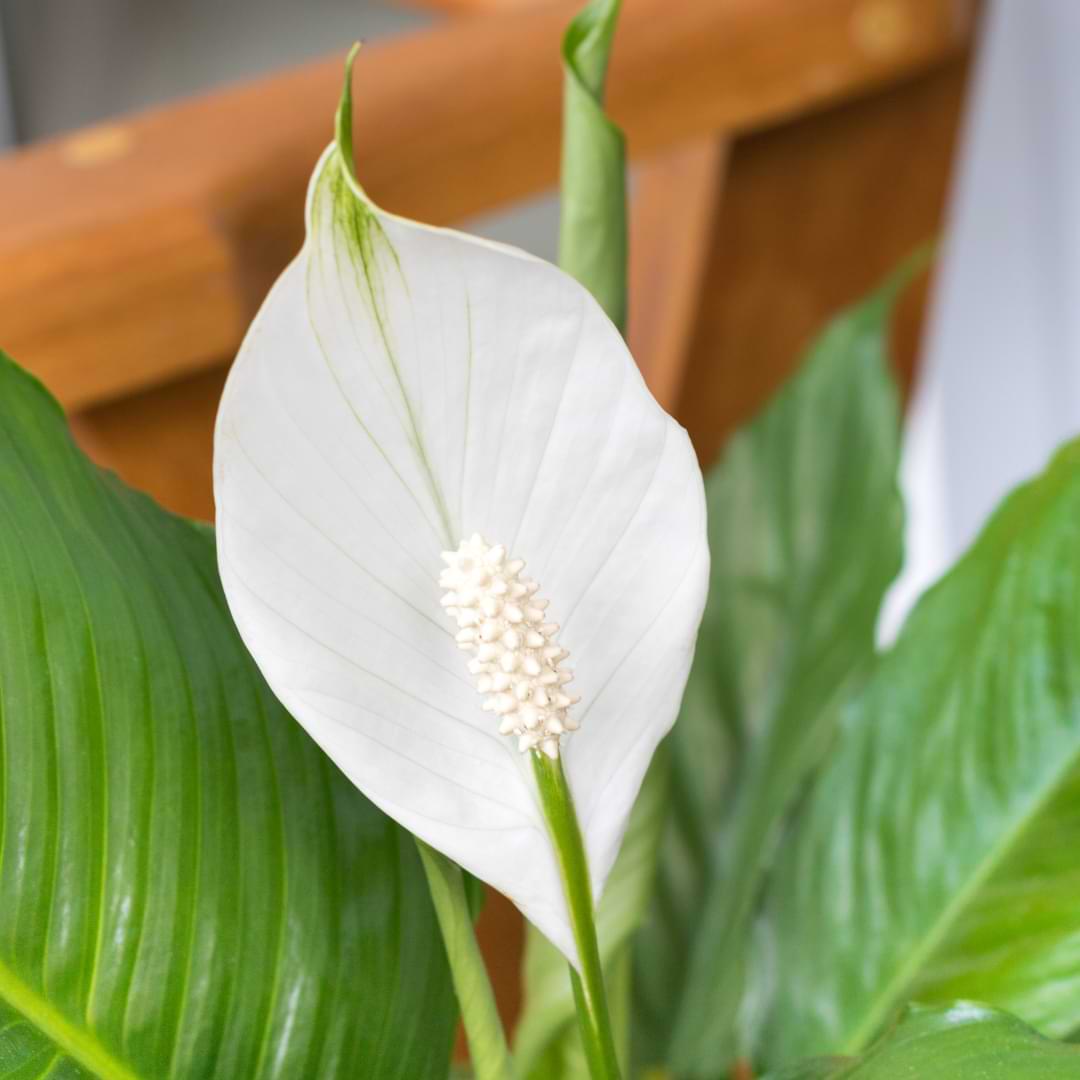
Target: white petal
x,y
405,387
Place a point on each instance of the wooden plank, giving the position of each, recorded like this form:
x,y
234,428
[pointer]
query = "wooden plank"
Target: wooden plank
x,y
196,207
675,198
814,214
160,441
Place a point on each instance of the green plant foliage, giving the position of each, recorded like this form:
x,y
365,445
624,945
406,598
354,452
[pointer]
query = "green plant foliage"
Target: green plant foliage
x,y
547,1042
592,237
454,902
938,855
188,887
959,1042
805,534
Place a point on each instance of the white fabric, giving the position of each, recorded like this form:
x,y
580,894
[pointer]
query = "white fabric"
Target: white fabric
x,y
1000,382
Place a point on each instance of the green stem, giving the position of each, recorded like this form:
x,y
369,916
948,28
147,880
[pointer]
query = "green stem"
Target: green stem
x,y
488,1050
590,996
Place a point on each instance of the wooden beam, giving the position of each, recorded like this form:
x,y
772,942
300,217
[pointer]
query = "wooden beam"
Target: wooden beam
x,y
675,200
160,441
814,215
137,252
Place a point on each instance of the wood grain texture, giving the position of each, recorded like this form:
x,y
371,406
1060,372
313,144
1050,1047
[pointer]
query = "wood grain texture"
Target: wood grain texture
x,y
136,252
813,215
676,196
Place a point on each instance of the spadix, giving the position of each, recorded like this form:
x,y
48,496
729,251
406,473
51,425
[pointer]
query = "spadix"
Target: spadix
x,y
516,659
407,391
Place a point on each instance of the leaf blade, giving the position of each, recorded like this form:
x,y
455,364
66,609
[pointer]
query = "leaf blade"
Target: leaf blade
x,y
805,536
981,696
951,1043
159,813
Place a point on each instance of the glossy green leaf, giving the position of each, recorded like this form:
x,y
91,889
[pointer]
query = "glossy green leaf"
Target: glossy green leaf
x,y
547,1042
805,535
592,236
963,1041
938,855
188,887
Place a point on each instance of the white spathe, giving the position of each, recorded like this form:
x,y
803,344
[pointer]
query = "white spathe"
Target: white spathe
x,y
402,389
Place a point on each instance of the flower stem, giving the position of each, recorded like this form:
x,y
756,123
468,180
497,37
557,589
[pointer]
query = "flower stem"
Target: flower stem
x,y
590,997
488,1049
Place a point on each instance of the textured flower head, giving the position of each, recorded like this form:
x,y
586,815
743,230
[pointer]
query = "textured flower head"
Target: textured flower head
x,y
516,658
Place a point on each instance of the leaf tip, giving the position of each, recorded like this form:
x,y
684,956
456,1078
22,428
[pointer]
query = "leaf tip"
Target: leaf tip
x,y
343,123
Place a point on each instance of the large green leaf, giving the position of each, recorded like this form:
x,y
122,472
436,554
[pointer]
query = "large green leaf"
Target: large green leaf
x,y
805,535
188,888
940,854
959,1042
547,1042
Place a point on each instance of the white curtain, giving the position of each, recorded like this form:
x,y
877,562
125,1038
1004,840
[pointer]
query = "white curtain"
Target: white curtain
x,y
1000,382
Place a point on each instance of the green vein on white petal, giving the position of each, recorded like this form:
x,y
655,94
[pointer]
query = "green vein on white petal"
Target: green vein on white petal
x,y
372,256
402,388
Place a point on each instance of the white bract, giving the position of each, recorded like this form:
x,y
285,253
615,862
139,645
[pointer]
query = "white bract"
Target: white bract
x,y
407,391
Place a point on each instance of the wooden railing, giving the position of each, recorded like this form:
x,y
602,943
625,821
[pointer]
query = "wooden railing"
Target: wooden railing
x,y
136,252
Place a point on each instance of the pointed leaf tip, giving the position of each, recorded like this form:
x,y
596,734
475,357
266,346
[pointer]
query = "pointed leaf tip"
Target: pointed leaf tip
x,y
343,123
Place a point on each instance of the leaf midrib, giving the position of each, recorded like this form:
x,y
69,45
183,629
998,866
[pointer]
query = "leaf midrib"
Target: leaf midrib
x,y
77,1044
998,853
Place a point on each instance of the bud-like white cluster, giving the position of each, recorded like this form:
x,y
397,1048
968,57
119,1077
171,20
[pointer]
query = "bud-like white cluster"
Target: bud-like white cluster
x,y
515,655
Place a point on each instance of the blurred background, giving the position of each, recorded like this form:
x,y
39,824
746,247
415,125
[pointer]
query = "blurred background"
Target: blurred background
x,y
67,64
786,155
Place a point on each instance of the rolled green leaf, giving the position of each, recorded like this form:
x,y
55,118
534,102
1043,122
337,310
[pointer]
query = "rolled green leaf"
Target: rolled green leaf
x,y
188,887
963,1041
592,236
805,536
938,855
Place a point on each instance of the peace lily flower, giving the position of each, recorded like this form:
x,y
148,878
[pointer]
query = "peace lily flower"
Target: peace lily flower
x,y
456,531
